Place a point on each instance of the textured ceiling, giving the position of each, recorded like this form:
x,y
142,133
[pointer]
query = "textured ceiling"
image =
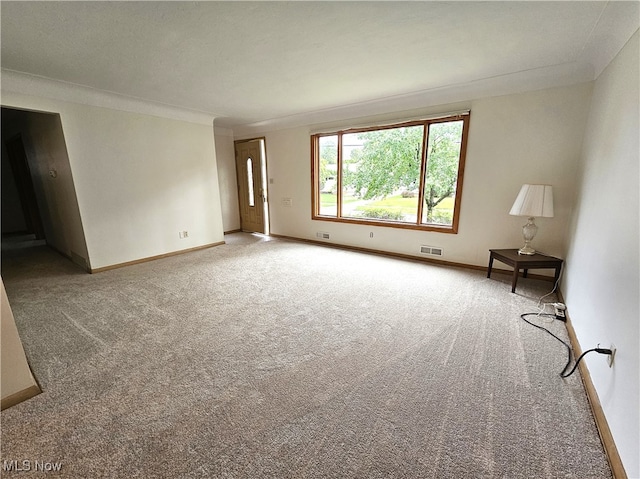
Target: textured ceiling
x,y
252,62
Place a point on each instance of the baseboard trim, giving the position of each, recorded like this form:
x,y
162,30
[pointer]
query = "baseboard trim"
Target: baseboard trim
x,y
411,257
20,396
609,445
153,258
233,231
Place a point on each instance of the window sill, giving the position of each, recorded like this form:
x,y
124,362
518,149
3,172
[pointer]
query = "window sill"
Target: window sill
x,y
449,229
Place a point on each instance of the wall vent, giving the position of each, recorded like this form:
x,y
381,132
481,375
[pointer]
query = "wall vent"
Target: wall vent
x,y
432,250
322,235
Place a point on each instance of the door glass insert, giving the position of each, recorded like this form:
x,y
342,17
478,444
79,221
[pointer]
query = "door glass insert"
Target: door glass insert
x,y
250,181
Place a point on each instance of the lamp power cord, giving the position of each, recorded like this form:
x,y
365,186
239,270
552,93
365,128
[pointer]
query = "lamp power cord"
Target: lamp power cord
x,y
575,366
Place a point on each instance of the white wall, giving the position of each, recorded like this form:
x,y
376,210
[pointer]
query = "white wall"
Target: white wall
x,y
225,157
601,283
532,137
139,179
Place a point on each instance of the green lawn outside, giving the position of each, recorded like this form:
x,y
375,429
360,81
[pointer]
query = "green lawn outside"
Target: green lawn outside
x,y
408,205
327,199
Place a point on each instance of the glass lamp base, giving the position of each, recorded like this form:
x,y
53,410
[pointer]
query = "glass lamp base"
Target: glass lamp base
x,y
526,249
528,232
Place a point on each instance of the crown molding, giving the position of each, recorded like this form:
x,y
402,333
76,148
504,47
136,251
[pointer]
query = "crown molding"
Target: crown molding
x,y
38,86
529,80
617,24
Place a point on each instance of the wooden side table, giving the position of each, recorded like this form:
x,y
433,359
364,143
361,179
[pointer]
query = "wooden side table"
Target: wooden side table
x,y
524,262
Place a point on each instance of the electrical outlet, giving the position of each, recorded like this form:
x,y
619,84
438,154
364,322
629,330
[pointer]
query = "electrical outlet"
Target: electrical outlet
x,y
183,234
612,356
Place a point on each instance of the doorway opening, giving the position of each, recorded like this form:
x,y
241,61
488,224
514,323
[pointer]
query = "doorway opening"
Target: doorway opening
x,y
251,172
39,203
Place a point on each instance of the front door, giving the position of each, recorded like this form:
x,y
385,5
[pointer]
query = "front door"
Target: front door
x,y
252,185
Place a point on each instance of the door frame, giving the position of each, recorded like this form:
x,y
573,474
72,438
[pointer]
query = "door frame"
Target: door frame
x,y
263,177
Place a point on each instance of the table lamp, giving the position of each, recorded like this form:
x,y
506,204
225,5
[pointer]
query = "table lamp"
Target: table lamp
x,y
532,201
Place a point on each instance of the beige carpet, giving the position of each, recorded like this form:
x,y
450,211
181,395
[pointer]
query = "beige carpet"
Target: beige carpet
x,y
280,359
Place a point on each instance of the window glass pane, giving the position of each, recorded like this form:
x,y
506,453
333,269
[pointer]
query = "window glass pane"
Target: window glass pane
x,y
250,181
381,174
328,175
443,155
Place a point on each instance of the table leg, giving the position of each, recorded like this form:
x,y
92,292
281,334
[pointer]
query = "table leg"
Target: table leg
x,y
524,274
514,280
490,266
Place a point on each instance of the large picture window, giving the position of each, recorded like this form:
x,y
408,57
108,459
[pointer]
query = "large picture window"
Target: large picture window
x,y
406,175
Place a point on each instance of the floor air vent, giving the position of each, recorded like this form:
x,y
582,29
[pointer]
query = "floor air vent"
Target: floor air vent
x,y
432,250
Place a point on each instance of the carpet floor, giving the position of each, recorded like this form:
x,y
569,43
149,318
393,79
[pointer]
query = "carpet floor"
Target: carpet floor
x,y
268,358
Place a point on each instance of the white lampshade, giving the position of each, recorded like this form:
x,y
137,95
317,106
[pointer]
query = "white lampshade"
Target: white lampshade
x,y
534,200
